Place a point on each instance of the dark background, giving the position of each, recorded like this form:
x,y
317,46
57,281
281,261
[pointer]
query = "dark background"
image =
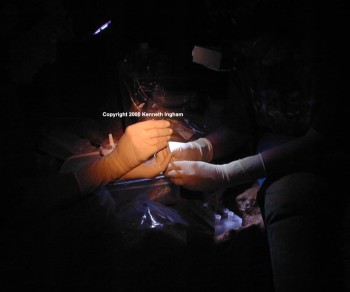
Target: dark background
x,y
81,82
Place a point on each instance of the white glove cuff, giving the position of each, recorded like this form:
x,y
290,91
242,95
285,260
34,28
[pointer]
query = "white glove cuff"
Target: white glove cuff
x,y
205,148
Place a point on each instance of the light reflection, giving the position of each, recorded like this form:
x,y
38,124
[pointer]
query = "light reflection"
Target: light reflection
x,y
102,27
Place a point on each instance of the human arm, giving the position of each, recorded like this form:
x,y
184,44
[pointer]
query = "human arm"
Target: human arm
x,y
137,144
299,154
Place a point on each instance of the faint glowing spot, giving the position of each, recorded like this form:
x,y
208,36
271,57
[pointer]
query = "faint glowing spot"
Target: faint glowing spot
x,y
102,27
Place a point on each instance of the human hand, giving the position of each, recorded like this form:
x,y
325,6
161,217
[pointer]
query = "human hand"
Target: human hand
x,y
137,144
198,150
152,167
202,176
140,141
197,175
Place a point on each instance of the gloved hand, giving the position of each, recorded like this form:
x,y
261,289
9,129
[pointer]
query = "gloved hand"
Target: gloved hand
x,y
196,175
202,176
198,150
139,142
152,167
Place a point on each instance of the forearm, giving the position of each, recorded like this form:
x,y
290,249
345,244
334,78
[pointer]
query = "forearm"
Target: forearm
x,y
301,154
246,170
99,173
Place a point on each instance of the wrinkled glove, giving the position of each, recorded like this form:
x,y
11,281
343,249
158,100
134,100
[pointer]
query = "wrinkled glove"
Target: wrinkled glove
x,y
139,142
202,176
198,150
152,167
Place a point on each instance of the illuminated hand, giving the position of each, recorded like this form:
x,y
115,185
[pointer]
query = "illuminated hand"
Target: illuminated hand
x,y
139,142
152,167
198,150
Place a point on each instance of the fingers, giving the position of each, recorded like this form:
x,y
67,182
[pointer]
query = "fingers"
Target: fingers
x,y
175,146
159,146
177,181
177,155
149,129
174,171
164,163
174,165
175,176
149,150
159,140
156,133
154,124
163,153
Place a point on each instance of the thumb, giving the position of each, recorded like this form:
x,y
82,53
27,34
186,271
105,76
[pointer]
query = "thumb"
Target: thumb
x,y
173,170
177,154
175,176
165,162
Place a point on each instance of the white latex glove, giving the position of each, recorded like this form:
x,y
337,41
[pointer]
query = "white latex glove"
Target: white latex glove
x,y
202,176
195,175
152,167
198,150
139,142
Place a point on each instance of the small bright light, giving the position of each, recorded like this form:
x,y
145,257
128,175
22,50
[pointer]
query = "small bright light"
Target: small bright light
x,y
102,27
